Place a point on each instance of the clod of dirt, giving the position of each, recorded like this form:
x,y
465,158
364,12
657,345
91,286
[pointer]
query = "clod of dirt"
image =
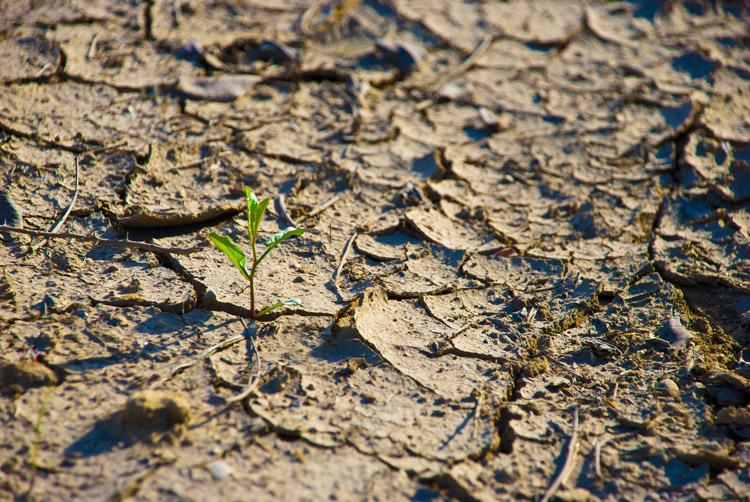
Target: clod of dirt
x,y
18,377
155,410
736,419
667,387
675,333
731,379
352,365
716,460
575,495
537,366
729,396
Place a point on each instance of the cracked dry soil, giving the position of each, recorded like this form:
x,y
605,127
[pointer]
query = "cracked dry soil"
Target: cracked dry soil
x,y
516,213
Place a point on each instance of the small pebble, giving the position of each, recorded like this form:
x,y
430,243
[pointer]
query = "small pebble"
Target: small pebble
x,y
221,88
667,387
219,469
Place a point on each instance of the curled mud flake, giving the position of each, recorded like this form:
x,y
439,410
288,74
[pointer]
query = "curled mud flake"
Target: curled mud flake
x,y
406,57
273,52
192,49
604,27
675,333
221,88
9,213
378,249
410,195
159,217
434,226
155,410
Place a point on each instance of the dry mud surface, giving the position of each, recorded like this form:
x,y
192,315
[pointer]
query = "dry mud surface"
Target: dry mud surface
x,y
526,254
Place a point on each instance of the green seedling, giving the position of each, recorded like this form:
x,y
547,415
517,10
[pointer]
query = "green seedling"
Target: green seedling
x,y
255,211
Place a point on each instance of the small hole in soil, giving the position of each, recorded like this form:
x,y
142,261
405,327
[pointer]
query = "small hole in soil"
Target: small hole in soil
x,y
605,298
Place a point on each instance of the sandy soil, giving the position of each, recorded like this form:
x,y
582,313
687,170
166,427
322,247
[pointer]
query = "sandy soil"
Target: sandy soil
x,y
525,271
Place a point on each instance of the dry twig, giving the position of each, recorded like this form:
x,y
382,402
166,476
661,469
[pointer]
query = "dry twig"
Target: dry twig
x,y
214,348
61,221
465,66
438,85
281,206
333,200
344,254
569,461
255,381
598,456
92,46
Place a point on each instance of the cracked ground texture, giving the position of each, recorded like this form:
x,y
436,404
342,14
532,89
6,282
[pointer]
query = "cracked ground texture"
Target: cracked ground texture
x,y
516,213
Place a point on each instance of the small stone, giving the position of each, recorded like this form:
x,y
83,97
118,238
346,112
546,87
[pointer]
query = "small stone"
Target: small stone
x,y
155,410
675,333
219,469
668,387
220,88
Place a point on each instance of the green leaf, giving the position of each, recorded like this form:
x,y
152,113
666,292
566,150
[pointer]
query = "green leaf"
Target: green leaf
x,y
259,214
235,254
255,212
292,303
276,239
252,205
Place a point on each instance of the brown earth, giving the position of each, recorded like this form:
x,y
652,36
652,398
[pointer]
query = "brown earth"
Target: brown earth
x,y
526,254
